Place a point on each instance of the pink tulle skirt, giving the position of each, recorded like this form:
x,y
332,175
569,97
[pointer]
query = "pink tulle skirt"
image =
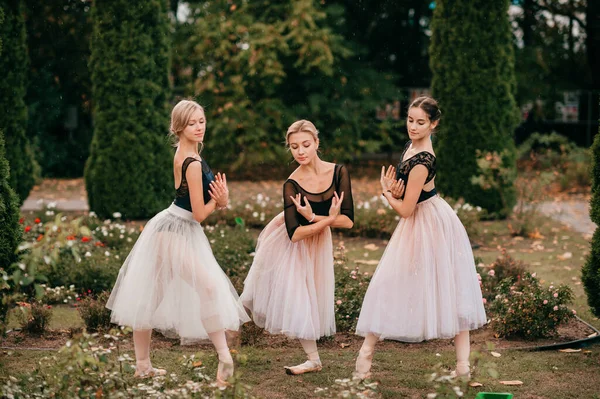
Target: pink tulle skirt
x,y
172,282
426,284
290,286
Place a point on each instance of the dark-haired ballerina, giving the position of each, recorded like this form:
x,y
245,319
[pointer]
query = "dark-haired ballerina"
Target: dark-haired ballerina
x,y
425,285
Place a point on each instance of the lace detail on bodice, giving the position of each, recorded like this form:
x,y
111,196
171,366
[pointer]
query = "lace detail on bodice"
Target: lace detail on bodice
x,y
422,158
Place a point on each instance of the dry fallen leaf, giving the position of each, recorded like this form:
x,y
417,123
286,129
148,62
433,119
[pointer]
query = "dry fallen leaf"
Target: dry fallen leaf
x,y
495,354
536,235
474,384
197,364
344,345
565,256
371,247
513,382
592,335
569,350
366,262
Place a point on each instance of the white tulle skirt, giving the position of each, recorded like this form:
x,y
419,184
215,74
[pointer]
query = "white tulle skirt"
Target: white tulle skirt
x,y
426,284
172,282
290,286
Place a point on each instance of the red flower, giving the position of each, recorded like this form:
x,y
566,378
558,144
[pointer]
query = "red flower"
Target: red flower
x,y
70,238
89,291
27,229
37,220
49,307
99,244
21,220
78,298
85,239
40,237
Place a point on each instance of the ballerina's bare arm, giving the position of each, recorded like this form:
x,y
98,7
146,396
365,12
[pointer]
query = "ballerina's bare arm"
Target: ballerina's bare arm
x,y
200,211
302,232
416,181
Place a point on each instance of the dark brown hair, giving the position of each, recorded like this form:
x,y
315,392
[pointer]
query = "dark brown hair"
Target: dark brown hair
x,y
429,105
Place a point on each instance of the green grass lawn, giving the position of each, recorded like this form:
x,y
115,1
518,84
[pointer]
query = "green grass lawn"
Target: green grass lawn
x,y
402,369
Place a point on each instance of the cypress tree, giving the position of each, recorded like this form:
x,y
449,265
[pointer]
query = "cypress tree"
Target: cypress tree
x,y
474,81
591,270
10,230
13,87
129,169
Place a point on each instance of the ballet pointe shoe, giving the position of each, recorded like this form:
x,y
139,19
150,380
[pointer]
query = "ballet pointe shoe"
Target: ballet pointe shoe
x,y
306,367
224,372
150,372
363,365
462,371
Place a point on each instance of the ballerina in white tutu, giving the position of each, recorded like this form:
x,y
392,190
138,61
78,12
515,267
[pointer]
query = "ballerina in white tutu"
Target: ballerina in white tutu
x,y
425,285
171,280
290,286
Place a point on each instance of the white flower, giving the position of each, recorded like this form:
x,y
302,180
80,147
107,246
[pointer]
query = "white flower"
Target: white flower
x,y
92,214
22,266
49,213
255,214
117,256
121,236
117,215
51,205
55,228
259,198
63,219
87,255
367,205
128,239
106,253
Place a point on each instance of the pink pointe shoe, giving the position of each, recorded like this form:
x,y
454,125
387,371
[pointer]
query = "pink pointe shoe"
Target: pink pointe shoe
x,y
307,367
224,372
363,365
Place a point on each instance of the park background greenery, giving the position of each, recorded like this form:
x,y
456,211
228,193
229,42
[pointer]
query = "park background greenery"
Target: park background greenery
x,y
87,89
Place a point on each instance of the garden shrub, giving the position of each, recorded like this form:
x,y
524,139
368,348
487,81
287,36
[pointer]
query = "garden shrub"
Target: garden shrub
x,y
94,313
34,317
472,61
350,289
523,308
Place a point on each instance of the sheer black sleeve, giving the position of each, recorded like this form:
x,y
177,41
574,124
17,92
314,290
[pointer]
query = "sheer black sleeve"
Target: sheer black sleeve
x,y
292,218
344,185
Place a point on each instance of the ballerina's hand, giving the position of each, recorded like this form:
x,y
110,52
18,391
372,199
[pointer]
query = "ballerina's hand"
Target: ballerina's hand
x,y
397,188
306,210
336,204
218,190
387,178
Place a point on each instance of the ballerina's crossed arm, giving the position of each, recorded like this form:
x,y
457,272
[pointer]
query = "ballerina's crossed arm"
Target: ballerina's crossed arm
x,y
218,192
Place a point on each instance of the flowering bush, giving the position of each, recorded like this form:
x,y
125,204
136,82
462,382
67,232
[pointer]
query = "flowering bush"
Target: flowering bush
x,y
94,313
57,295
87,368
523,308
34,317
350,289
502,268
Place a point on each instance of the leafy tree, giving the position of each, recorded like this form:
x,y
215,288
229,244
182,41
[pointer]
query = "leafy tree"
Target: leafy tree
x,y
473,80
258,66
129,169
59,92
13,86
591,270
10,230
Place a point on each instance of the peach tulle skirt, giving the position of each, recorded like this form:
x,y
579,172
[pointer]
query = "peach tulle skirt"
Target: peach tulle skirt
x,y
426,284
290,286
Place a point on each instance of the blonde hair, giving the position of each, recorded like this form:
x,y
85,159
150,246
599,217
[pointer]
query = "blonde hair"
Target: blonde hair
x,y
301,126
180,117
